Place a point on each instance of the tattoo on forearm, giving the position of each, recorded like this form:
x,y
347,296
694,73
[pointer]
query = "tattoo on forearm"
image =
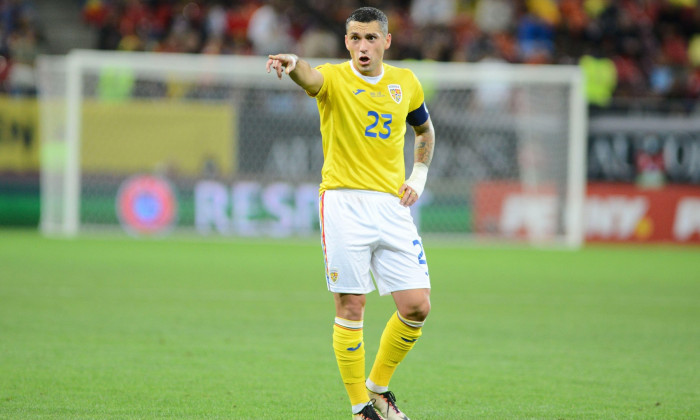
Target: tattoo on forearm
x,y
424,151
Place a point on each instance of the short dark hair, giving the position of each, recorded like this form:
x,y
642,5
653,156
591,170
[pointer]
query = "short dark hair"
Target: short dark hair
x,y
367,15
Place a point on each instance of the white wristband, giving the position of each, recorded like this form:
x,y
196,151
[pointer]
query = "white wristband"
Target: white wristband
x,y
418,177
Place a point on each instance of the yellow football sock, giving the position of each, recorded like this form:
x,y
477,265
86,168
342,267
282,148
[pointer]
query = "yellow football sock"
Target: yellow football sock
x,y
350,355
398,339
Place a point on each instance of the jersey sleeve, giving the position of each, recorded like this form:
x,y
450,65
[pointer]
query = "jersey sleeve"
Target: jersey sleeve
x,y
326,70
417,111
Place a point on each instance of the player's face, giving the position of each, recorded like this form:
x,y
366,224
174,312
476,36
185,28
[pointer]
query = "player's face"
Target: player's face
x,y
367,44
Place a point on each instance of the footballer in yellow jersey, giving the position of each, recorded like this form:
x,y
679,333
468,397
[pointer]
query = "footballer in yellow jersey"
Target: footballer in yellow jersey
x,y
364,122
367,231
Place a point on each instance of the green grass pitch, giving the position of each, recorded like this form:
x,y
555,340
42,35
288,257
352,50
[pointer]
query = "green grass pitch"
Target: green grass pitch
x,y
215,329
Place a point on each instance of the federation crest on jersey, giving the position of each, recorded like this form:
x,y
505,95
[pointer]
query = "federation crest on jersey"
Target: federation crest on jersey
x,y
395,92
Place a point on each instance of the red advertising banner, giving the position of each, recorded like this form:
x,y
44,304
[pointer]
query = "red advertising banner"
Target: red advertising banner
x,y
612,212
627,213
510,209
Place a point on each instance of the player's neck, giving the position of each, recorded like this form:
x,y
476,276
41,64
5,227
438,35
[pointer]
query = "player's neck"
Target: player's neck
x,y
369,79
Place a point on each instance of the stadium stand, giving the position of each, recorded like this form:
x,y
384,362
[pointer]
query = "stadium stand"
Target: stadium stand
x,y
640,53
640,56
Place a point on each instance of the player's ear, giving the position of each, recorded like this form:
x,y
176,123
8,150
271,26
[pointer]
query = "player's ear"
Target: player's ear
x,y
346,43
388,41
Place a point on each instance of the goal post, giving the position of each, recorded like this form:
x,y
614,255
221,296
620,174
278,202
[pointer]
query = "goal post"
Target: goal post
x,y
157,143
545,107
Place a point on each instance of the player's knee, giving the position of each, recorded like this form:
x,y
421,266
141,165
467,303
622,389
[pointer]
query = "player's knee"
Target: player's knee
x,y
417,311
353,312
350,306
423,310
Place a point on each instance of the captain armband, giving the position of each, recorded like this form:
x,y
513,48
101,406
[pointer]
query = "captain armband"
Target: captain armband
x,y
418,116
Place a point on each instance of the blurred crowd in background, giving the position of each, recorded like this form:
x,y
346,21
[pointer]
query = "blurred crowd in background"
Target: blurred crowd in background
x,y
20,43
630,50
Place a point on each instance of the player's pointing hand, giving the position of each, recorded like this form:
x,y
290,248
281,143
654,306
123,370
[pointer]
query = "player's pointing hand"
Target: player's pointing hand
x,y
280,61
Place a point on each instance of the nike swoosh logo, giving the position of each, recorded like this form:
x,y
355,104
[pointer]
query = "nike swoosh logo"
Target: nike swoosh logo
x,y
408,341
358,91
355,348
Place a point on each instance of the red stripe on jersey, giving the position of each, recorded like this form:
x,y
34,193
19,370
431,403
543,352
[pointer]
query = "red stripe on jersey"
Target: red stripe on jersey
x,y
323,233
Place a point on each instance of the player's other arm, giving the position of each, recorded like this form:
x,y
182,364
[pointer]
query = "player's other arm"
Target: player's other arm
x,y
422,156
299,70
425,143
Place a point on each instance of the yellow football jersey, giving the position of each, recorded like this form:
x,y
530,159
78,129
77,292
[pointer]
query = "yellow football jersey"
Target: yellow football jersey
x,y
363,126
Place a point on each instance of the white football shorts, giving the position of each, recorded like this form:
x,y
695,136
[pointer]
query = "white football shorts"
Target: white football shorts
x,y
369,234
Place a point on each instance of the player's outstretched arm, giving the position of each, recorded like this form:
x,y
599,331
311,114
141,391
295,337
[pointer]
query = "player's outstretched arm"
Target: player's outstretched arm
x,y
299,70
422,156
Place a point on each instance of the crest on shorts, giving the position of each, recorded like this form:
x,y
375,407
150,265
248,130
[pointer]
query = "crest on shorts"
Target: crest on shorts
x,y
395,92
333,275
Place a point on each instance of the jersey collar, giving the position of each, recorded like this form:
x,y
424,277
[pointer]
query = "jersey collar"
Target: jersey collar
x,y
369,79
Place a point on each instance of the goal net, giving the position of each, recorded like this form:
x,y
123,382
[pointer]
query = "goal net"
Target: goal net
x,y
213,145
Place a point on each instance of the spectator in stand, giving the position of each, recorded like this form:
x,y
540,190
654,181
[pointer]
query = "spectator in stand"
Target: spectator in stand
x,y
433,13
601,78
269,30
23,48
109,36
661,77
318,42
216,21
434,23
20,43
406,35
494,16
238,18
694,50
536,33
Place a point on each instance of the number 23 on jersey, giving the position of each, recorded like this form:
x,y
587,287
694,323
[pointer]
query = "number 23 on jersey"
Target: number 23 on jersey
x,y
379,125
